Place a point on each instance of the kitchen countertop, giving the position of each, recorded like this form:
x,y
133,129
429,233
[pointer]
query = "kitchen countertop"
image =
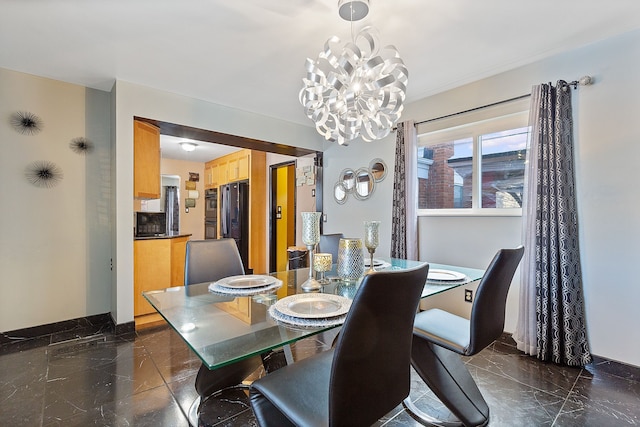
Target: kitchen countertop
x,y
161,236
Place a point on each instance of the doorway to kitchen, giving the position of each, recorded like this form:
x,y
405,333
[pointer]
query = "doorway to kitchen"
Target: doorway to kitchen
x,y
283,213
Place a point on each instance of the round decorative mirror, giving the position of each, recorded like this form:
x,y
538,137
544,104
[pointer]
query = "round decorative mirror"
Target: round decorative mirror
x,y
339,193
364,184
348,180
378,169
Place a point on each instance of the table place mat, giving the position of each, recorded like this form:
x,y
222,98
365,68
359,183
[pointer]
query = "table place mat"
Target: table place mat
x,y
447,282
214,287
305,323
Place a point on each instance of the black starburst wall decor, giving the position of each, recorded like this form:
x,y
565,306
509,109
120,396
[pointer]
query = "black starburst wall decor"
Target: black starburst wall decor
x,y
26,123
81,145
43,173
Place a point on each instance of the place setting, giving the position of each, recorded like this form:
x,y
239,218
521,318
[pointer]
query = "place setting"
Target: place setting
x,y
445,277
311,310
245,285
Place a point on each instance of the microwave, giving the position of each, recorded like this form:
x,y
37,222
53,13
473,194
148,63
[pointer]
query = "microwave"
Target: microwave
x,y
149,224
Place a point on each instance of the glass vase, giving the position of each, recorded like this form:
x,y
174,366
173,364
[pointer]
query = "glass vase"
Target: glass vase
x,y
350,259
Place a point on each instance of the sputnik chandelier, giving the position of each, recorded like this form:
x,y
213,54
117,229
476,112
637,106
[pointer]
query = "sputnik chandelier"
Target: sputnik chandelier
x,y
358,91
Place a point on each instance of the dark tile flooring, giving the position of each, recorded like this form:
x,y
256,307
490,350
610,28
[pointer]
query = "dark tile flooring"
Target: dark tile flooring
x,y
146,379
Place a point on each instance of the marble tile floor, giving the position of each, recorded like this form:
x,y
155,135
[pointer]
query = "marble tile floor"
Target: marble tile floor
x,y
146,378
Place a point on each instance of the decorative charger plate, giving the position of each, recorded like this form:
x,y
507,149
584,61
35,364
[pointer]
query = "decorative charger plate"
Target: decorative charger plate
x,y
445,275
376,262
305,323
246,281
313,306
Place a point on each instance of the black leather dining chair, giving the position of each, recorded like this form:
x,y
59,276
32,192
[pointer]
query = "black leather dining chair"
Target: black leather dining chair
x,y
329,244
207,261
364,376
439,338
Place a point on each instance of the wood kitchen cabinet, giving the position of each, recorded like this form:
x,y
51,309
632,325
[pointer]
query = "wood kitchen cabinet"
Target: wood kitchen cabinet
x,y
151,271
146,161
223,172
240,166
178,250
211,175
157,264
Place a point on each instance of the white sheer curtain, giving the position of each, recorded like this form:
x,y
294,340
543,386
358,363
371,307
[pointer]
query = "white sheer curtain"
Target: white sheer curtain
x,y
404,230
526,329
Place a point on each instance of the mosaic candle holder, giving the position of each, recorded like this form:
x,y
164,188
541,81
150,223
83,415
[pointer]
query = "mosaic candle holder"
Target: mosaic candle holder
x,y
371,240
311,237
322,263
350,259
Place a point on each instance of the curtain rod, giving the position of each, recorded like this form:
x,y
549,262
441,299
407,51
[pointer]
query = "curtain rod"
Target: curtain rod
x,y
504,101
583,81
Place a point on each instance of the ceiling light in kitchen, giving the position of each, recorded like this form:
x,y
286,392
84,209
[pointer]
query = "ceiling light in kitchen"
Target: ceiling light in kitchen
x,y
188,146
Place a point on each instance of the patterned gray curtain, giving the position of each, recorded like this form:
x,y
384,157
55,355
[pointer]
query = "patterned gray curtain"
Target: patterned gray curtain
x,y
404,226
551,267
172,209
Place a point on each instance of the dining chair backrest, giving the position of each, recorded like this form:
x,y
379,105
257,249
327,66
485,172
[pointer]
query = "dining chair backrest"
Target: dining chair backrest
x,y
488,310
210,260
329,244
370,372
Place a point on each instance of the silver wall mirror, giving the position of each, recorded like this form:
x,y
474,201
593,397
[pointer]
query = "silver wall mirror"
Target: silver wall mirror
x,y
348,180
339,193
378,169
364,184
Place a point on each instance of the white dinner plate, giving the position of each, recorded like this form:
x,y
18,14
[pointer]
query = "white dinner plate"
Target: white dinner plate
x,y
246,281
445,275
313,306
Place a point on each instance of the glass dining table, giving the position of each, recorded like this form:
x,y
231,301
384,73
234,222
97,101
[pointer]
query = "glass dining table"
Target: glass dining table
x,y
223,329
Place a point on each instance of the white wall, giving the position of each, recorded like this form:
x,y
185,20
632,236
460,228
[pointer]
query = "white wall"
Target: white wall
x,y
607,141
55,245
349,217
133,100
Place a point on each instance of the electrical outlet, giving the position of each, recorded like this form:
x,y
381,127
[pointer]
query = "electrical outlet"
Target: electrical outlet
x,y
468,295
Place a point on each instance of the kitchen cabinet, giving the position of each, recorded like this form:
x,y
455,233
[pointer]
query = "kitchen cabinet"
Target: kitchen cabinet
x,y
151,270
158,263
252,166
223,172
230,168
178,250
238,165
146,161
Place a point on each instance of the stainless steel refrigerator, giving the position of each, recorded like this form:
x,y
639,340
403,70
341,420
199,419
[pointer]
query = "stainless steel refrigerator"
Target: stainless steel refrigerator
x,y
234,217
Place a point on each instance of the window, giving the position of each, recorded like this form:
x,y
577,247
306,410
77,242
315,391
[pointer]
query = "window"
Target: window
x,y
474,167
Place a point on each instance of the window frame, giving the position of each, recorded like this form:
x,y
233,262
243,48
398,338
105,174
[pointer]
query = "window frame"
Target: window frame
x,y
474,127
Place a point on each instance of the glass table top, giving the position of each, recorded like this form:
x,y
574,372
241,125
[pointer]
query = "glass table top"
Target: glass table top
x,y
222,329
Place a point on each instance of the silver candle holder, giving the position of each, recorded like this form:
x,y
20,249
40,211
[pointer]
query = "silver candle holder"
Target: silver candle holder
x,y
322,263
311,237
350,259
371,240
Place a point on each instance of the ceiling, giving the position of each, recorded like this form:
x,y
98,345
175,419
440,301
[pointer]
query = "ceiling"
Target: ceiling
x,y
171,149
250,54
